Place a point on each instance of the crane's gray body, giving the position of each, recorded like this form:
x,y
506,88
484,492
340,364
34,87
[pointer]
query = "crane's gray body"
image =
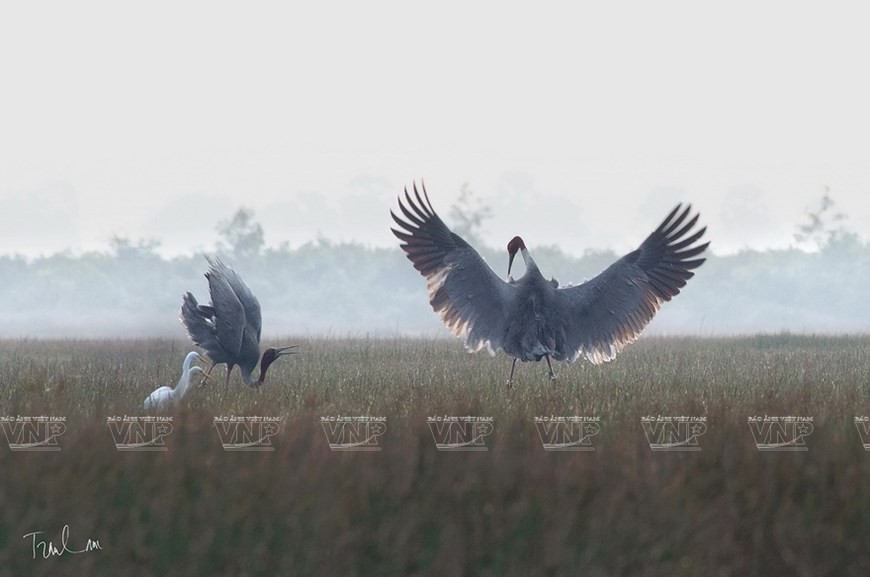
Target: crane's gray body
x,y
532,317
228,328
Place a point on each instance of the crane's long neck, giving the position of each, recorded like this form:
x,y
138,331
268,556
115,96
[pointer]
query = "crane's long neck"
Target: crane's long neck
x,y
262,378
247,376
269,357
530,263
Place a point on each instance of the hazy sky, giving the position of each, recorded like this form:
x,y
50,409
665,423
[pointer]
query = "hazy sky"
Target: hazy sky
x,y
581,123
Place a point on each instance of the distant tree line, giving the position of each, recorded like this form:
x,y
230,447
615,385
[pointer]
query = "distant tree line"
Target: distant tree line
x,y
349,289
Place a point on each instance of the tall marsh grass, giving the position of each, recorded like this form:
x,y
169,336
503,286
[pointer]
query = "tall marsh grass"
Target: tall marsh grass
x,y
412,510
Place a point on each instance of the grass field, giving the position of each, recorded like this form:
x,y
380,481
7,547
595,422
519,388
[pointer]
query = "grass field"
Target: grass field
x,y
409,509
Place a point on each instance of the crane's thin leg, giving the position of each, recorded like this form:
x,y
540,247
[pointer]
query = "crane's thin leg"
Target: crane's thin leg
x,y
207,375
552,375
510,382
229,372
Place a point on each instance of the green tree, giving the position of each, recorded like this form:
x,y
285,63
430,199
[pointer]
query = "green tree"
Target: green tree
x,y
241,236
468,214
125,248
825,225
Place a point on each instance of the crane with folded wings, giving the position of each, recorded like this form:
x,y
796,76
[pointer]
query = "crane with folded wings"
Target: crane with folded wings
x,y
228,328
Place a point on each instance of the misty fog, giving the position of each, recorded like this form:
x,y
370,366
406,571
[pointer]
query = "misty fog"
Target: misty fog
x,y
344,288
579,126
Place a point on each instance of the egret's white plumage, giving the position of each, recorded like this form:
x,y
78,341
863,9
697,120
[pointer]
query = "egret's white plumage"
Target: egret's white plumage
x,y
166,398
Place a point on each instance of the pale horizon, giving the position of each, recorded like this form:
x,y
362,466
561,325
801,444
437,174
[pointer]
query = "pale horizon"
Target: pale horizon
x,y
581,126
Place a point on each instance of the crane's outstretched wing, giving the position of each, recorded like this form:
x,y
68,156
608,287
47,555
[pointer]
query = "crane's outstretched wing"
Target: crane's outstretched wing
x,y
249,302
610,311
468,296
228,313
199,320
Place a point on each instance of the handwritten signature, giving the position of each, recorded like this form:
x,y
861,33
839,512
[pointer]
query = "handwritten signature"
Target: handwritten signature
x,y
48,549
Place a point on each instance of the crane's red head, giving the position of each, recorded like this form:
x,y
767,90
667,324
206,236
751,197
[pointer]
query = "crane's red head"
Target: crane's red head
x,y
513,246
270,355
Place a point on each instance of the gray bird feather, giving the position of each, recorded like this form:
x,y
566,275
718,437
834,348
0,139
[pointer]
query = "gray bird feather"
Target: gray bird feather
x,y
532,317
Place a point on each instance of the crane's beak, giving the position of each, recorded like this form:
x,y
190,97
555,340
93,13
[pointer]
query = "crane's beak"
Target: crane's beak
x,y
286,351
511,261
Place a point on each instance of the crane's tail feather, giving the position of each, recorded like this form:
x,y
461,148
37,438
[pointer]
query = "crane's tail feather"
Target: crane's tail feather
x,y
199,324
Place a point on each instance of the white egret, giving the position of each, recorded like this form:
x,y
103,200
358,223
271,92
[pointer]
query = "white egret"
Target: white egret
x,y
166,398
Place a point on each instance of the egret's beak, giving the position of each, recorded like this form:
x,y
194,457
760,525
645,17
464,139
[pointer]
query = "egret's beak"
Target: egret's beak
x,y
286,351
511,261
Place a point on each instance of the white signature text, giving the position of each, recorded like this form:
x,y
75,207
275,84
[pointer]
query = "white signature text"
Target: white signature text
x,y
48,549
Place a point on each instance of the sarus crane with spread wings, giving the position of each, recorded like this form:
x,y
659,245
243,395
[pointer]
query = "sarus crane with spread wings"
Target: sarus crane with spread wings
x,y
533,318
228,328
